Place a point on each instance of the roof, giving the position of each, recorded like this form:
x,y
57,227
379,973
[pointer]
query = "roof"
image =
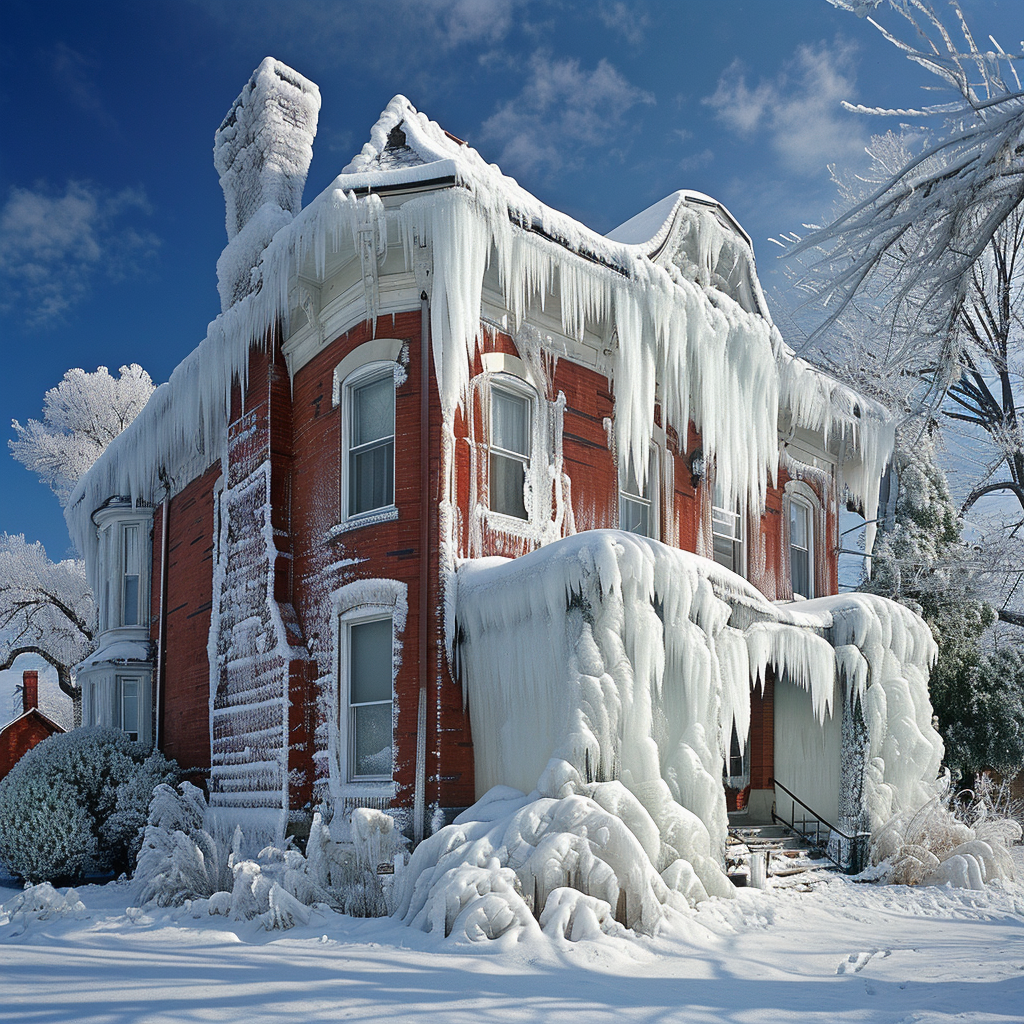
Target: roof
x,y
49,723
677,304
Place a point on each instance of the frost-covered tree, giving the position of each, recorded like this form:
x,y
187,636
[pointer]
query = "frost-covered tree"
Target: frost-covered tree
x,y
921,560
46,608
81,416
921,273
928,224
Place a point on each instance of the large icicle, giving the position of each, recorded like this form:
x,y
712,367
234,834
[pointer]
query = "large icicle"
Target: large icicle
x,y
603,679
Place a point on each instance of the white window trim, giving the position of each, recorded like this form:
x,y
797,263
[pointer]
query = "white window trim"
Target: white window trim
x,y
141,731
798,493
358,617
364,374
522,389
379,350
361,601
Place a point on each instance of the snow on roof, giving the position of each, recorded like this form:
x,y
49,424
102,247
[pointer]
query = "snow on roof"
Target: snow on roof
x,y
689,328
649,227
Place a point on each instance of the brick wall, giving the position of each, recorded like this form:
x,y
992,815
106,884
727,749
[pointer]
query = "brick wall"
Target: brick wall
x,y
20,736
185,688
325,559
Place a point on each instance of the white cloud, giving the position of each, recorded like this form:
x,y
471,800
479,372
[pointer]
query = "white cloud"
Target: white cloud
x,y
561,109
383,36
53,245
799,110
626,20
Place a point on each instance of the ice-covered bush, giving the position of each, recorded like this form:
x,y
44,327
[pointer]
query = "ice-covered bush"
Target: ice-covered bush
x,y
192,854
960,839
74,804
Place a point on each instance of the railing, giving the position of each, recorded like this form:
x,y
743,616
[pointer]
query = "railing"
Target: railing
x,y
850,850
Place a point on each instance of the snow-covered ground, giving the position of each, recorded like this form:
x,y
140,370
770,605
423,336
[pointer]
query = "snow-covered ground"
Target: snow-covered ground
x,y
841,952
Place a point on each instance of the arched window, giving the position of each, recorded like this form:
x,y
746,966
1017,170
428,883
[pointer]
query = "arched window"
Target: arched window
x,y
510,446
802,508
368,437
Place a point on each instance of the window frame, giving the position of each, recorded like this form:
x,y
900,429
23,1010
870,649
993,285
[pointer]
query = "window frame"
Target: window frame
x,y
519,389
120,681
113,522
650,499
800,496
347,717
738,538
361,600
367,373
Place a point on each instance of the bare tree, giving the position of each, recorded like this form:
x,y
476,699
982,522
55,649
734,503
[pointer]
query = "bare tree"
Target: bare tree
x,y
46,608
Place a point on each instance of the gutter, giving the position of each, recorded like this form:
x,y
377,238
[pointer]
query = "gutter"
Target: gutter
x,y
165,509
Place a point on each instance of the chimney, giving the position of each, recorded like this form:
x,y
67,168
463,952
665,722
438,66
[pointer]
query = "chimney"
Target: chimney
x,y
29,690
262,153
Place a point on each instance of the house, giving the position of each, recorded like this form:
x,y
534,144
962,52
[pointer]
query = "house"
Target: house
x,y
21,734
297,546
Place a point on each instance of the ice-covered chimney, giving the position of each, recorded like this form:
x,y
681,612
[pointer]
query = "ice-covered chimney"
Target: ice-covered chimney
x,y
262,153
29,690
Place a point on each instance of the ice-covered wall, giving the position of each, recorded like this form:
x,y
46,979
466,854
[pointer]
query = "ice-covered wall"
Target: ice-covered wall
x,y
675,333
603,679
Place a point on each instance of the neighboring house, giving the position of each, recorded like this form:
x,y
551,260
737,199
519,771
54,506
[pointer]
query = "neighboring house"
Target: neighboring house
x,y
19,736
425,367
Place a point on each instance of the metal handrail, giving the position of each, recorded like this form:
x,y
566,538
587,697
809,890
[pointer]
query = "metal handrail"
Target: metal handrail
x,y
856,841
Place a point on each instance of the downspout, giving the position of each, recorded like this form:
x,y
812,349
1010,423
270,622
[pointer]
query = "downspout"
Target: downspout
x,y
419,796
162,621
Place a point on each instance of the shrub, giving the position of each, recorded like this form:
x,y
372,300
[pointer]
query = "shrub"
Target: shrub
x,y
193,854
76,804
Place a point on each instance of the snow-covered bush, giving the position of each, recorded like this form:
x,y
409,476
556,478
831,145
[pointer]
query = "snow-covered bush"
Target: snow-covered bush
x,y
40,903
957,839
72,804
191,855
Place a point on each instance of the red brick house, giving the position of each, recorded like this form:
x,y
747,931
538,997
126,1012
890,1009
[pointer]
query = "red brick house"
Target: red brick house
x,y
422,367
19,736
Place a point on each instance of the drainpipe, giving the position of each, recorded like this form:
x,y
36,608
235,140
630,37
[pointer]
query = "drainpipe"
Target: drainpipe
x,y
165,509
419,796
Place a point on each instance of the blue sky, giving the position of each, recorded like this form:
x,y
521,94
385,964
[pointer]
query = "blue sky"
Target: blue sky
x,y
111,217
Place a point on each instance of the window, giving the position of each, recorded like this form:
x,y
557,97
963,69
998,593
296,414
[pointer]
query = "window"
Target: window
x,y
370,698
801,547
509,452
131,564
129,701
636,509
727,533
370,458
